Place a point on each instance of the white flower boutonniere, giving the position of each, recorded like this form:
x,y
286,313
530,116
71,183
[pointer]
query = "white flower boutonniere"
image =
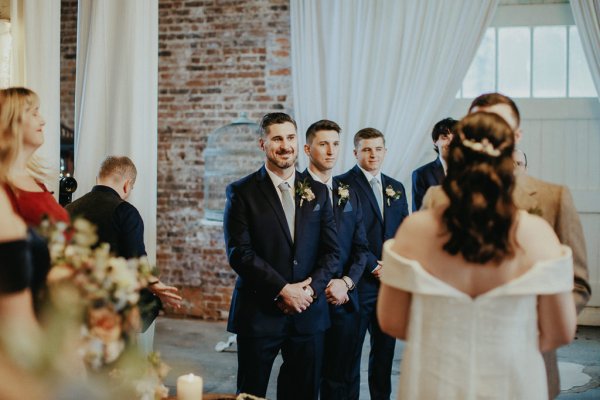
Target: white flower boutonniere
x,y
343,192
305,192
392,194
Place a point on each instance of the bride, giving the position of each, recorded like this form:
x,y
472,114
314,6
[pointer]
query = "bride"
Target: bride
x,y
477,288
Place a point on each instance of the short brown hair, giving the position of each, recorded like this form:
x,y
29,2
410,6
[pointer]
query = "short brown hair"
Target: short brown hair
x,y
119,166
274,119
367,133
322,125
491,99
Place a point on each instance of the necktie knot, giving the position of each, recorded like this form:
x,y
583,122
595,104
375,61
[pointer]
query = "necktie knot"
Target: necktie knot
x,y
284,187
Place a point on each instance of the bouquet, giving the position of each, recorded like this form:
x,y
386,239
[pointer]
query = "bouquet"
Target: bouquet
x,y
101,293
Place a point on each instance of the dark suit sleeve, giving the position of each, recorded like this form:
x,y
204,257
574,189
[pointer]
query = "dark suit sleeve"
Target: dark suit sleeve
x,y
419,188
570,232
128,222
252,269
329,254
360,247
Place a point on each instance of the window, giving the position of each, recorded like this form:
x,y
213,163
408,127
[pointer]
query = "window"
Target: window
x,y
530,62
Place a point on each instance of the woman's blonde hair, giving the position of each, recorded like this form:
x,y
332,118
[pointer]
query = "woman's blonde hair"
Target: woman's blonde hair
x,y
14,102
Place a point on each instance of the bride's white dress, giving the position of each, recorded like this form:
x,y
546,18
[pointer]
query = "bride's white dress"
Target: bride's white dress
x,y
486,347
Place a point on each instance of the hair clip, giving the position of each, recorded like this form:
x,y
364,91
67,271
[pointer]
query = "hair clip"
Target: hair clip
x,y
484,146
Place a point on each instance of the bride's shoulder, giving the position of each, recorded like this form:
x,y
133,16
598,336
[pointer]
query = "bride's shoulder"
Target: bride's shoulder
x,y
537,238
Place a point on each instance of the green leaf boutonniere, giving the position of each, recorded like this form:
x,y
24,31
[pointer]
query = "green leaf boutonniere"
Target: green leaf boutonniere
x,y
304,191
343,192
392,194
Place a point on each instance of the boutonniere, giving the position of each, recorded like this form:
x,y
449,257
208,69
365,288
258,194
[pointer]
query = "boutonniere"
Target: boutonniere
x,y
535,211
304,191
343,192
392,194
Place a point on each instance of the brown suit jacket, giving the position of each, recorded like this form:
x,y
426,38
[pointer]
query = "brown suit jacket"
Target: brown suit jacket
x,y
554,203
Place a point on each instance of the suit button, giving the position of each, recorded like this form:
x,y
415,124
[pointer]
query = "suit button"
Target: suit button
x,y
295,262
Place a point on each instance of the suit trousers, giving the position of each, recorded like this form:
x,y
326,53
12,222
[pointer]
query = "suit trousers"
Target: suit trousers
x,y
300,372
341,341
381,356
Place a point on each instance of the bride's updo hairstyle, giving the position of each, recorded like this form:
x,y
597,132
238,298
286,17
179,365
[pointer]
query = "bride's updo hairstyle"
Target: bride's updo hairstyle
x,y
480,185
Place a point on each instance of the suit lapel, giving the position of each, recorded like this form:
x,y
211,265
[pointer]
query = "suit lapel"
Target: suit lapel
x,y
524,194
265,185
365,186
438,171
337,210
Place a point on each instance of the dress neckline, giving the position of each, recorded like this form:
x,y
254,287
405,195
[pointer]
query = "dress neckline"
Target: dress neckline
x,y
565,250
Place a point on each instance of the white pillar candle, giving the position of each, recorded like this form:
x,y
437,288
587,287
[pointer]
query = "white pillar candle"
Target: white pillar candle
x,y
189,387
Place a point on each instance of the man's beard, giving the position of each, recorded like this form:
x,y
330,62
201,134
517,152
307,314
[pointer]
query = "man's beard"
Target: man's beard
x,y
283,164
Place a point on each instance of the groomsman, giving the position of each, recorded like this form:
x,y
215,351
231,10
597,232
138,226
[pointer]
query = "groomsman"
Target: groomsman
x,y
384,206
552,202
433,173
280,239
322,148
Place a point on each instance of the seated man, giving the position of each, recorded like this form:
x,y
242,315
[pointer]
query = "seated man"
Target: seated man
x,y
120,224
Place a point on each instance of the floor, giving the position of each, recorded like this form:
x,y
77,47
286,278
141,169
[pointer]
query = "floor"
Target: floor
x,y
188,345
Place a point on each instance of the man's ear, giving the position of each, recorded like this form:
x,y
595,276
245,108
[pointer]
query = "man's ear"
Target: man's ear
x,y
307,150
355,153
261,144
518,134
127,186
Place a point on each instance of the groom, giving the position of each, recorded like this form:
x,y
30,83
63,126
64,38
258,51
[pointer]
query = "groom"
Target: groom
x,y
280,239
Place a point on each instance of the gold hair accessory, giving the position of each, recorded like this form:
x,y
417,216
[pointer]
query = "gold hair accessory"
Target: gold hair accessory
x,y
484,146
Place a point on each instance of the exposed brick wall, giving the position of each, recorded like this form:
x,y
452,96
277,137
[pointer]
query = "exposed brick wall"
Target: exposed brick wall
x,y
68,49
217,58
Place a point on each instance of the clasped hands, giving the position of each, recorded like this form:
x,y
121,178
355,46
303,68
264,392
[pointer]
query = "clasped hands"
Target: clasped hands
x,y
295,298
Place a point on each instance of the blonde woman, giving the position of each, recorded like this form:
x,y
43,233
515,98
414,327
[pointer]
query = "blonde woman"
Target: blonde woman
x,y
23,126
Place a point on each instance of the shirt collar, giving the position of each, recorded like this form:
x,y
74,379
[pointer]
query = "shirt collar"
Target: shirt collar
x,y
277,180
328,183
370,176
444,164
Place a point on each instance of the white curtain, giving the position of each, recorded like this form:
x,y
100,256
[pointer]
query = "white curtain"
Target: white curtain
x,y
116,97
35,30
587,18
391,65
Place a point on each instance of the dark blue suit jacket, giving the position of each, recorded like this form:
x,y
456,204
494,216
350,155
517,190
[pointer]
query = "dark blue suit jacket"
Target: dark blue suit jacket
x,y
260,249
423,178
378,229
351,238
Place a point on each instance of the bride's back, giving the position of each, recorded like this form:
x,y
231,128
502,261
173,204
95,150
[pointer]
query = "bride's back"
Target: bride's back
x,y
534,241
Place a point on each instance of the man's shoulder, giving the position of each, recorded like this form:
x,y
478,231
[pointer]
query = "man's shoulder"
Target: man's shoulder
x,y
247,181
425,168
391,181
348,175
539,188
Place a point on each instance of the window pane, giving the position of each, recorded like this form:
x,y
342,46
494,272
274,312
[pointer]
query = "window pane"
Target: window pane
x,y
550,61
481,76
580,78
514,61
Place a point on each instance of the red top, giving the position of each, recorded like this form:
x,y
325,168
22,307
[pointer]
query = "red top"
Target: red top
x,y
33,206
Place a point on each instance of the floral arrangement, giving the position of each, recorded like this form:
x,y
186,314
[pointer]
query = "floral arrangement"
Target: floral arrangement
x,y
304,191
102,291
392,194
343,192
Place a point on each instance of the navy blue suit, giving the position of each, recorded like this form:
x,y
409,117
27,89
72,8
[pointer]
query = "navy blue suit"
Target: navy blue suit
x,y
260,249
341,337
431,174
378,230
